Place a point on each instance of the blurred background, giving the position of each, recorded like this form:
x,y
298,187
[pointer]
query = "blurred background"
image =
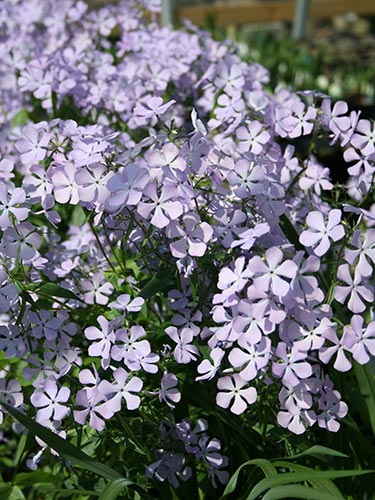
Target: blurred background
x,y
326,45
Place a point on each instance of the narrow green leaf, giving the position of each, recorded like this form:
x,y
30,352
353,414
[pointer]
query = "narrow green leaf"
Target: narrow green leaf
x,y
366,383
31,478
320,484
156,284
113,489
262,463
289,231
63,447
297,491
69,493
296,477
318,450
57,291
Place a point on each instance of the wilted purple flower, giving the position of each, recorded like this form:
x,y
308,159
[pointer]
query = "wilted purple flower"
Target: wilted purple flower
x,y
320,233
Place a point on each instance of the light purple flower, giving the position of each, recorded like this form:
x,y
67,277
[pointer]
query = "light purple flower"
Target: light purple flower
x,y
184,352
121,389
251,358
33,144
359,291
10,198
105,337
363,338
49,401
96,290
320,233
23,241
291,366
234,388
272,273
126,187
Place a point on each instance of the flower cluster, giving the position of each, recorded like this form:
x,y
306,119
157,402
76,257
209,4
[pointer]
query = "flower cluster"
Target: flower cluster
x,y
157,222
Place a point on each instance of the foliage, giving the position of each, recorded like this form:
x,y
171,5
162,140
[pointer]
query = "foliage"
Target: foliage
x,y
185,296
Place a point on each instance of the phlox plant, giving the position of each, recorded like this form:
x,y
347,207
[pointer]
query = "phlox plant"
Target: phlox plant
x,y
181,288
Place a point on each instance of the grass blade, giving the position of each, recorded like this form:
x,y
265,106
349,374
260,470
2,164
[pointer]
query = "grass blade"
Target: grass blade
x,y
265,465
63,447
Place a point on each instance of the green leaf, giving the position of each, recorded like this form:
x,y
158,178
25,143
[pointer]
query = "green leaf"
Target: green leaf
x,y
262,463
318,450
21,118
31,478
69,492
297,477
16,494
113,489
320,484
290,232
156,284
79,217
63,447
366,383
297,491
51,289
5,490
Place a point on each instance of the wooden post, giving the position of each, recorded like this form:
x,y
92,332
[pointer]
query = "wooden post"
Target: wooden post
x,y
301,15
166,13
